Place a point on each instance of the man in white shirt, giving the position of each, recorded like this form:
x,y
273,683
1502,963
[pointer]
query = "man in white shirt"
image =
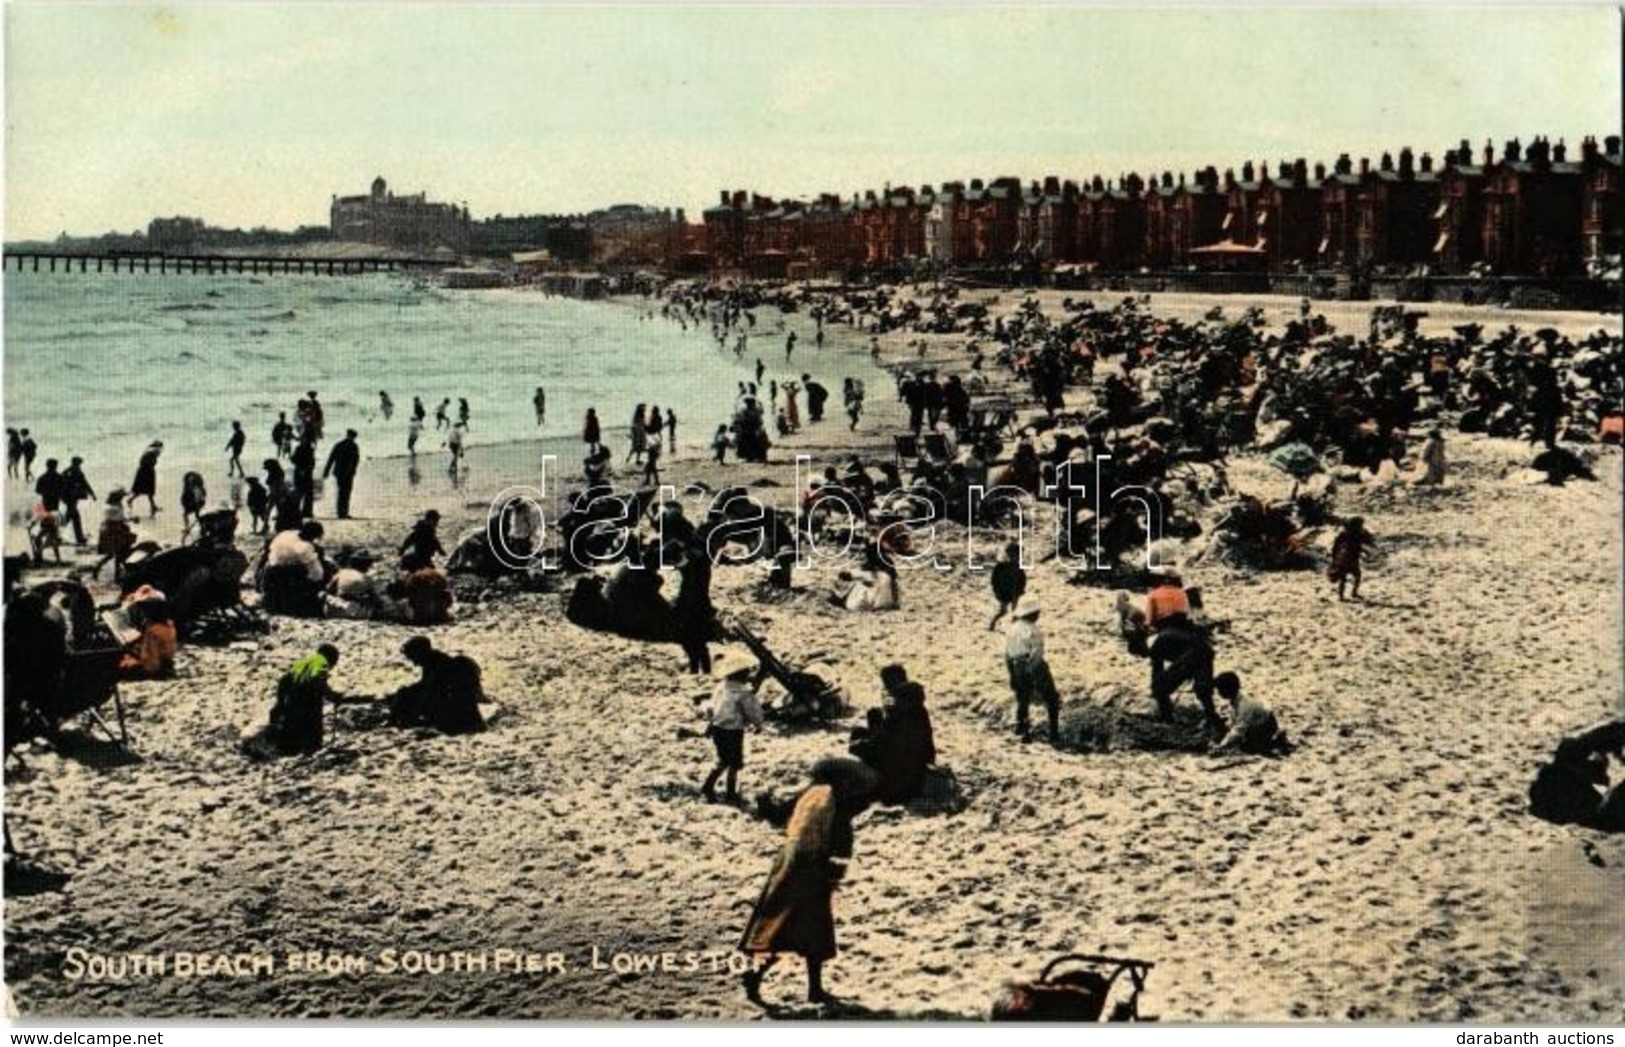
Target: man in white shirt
x,y
1029,673
293,572
733,708
297,549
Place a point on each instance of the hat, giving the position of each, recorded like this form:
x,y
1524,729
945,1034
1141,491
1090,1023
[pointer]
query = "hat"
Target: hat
x,y
1027,607
728,664
1165,570
155,445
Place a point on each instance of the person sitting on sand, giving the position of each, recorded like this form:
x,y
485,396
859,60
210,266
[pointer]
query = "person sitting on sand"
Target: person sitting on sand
x,y
897,740
1252,725
427,593
152,655
297,718
875,589
294,572
447,697
352,593
733,708
794,913
1566,791
1349,548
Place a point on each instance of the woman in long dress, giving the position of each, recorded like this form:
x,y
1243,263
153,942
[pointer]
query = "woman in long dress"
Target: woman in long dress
x,y
145,484
794,913
639,435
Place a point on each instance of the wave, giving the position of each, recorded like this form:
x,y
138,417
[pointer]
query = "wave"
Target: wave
x,y
185,307
285,315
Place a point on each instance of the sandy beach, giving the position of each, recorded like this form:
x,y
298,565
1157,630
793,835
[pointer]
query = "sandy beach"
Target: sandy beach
x,y
1386,870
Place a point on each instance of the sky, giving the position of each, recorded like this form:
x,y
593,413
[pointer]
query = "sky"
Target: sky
x,y
257,114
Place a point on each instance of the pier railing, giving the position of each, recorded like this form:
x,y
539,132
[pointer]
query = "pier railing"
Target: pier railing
x,y
165,264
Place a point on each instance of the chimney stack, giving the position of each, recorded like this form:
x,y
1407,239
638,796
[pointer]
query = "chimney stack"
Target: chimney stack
x,y
1387,161
1365,166
1247,171
1513,151
1560,152
1489,153
1427,163
1612,144
1320,173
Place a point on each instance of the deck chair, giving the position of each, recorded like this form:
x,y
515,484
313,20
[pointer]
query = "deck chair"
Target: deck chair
x,y
89,680
907,446
936,447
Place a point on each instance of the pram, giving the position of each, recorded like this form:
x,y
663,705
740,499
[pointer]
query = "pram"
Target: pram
x,y
810,696
1078,995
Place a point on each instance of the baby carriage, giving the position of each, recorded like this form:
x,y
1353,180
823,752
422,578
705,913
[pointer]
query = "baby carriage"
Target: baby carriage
x,y
1079,994
808,696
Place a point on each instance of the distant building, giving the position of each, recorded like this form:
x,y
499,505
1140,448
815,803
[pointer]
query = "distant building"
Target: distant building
x,y
565,239
409,223
1603,230
629,235
176,236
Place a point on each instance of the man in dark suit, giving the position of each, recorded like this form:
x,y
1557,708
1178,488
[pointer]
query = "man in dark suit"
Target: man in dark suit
x,y
342,462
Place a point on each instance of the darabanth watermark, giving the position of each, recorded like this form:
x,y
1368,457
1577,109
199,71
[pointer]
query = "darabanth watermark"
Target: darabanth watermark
x,y
825,523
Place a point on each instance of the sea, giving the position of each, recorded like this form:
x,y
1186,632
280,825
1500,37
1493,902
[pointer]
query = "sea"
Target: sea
x,y
101,365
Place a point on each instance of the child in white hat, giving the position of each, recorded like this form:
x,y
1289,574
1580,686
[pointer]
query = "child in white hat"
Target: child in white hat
x,y
733,708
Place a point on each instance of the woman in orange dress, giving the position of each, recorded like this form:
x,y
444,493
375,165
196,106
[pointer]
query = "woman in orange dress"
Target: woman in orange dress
x,y
794,913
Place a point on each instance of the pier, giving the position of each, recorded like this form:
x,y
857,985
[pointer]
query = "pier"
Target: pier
x,y
209,265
